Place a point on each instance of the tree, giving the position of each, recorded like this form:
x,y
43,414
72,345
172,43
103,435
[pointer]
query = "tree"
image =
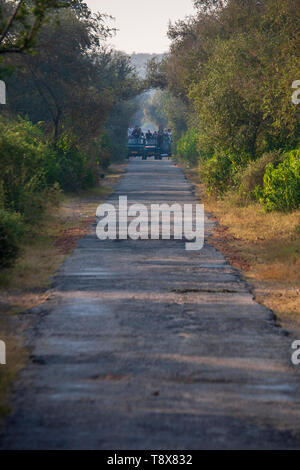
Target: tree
x,y
59,84
72,88
233,65
21,21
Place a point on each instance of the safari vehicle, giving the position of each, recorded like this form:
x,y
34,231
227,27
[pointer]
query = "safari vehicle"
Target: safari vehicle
x,y
166,147
136,147
152,149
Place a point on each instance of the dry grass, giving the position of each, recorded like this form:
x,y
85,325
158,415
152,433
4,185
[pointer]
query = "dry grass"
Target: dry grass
x,y
41,255
265,246
16,356
43,251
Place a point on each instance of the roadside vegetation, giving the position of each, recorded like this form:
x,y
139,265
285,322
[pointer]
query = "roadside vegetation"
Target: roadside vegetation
x,y
225,89
228,96
69,102
27,282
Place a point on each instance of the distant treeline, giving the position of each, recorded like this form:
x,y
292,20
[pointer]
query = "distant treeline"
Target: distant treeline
x,y
227,94
140,60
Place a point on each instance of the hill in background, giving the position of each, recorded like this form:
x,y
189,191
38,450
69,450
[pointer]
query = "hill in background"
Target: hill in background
x,y
139,60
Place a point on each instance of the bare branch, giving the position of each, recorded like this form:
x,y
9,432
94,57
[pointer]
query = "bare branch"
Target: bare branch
x,y
10,21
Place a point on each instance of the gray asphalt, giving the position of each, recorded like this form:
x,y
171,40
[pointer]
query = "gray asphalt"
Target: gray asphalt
x,y
144,345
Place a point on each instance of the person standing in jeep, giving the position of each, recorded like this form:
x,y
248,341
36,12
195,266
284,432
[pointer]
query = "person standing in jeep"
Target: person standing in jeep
x,y
160,136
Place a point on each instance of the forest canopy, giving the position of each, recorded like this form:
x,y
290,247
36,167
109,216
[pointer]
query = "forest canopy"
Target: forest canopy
x,y
70,98
228,95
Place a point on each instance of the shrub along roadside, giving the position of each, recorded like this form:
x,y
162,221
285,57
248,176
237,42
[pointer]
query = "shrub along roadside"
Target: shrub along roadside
x,y
264,245
187,147
32,175
229,75
43,249
281,184
217,173
253,175
11,231
273,179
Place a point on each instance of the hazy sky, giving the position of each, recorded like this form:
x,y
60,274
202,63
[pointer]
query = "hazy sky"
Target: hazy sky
x,y
142,24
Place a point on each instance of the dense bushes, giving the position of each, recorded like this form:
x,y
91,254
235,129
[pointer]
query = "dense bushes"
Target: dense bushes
x,y
281,184
187,147
217,173
231,69
32,175
24,192
253,175
30,166
273,179
60,126
11,231
70,167
22,166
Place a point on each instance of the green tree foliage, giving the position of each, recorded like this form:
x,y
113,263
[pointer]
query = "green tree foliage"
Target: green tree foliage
x,y
11,231
69,105
71,87
187,147
233,65
252,176
25,168
75,88
281,186
21,21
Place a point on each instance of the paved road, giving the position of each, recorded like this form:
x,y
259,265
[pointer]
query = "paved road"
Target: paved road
x,y
147,346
